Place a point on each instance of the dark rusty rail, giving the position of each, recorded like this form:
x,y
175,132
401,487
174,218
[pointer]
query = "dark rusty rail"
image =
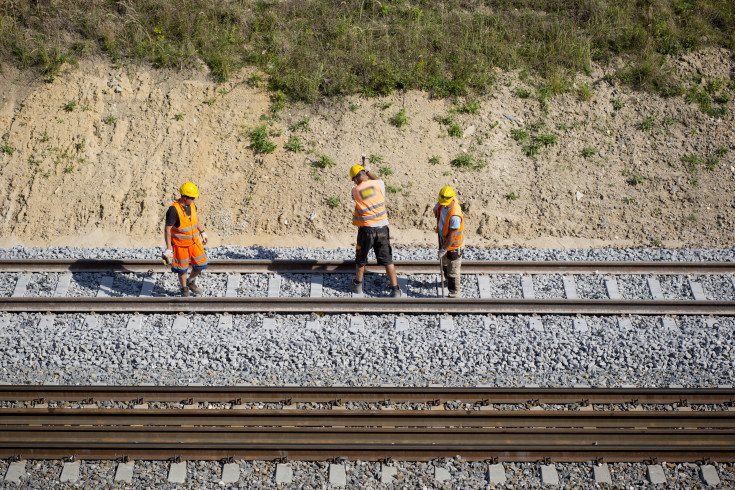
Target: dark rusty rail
x,y
508,436
338,395
368,306
346,266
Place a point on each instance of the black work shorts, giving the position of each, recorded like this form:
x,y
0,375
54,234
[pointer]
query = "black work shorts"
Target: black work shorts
x,y
377,239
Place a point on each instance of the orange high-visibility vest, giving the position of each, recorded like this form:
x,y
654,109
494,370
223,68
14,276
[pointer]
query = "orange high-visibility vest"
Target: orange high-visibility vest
x,y
369,203
455,210
187,231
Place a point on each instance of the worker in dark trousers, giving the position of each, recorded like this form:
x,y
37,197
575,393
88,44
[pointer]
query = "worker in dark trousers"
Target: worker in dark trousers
x,y
185,240
450,230
371,218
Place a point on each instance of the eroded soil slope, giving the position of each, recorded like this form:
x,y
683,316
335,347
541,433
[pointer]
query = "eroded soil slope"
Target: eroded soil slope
x,y
96,157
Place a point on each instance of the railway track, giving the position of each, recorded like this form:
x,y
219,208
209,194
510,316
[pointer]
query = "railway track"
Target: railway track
x,y
317,435
570,304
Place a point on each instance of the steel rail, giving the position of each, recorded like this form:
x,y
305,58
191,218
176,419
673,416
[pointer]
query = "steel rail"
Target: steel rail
x,y
348,266
365,443
132,304
341,394
161,417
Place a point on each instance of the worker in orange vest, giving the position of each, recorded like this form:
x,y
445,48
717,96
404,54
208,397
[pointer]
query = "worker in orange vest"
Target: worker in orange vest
x,y
185,240
371,218
450,230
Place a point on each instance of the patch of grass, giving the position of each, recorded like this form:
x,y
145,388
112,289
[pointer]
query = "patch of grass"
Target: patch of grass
x,y
385,171
211,102
531,149
435,160
657,243
45,137
255,80
470,106
647,123
520,135
467,161
109,119
455,130
711,163
636,179
721,151
668,122
692,218
323,162
546,139
445,120
180,116
618,104
259,141
81,146
588,152
70,106
391,189
584,92
354,107
629,200
69,169
399,119
512,196
333,202
375,159
302,125
294,144
692,162
522,92
447,173
7,149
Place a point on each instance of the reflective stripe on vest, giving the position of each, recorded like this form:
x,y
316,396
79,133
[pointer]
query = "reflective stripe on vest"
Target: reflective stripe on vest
x,y
187,231
455,210
369,203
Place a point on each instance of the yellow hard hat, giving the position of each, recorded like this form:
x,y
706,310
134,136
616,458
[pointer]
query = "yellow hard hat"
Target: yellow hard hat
x,y
189,190
356,169
446,195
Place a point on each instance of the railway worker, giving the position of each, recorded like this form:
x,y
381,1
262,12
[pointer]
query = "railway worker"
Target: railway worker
x,y
371,218
450,231
185,240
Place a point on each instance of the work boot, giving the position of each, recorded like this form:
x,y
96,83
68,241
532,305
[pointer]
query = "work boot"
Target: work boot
x,y
453,286
192,285
356,287
396,292
453,294
185,292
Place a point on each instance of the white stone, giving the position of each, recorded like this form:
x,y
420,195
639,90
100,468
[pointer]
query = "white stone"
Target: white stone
x,y
177,472
578,196
527,287
124,472
611,284
570,287
135,322
387,474
225,322
274,286
230,472
62,287
16,471
337,475
655,287
496,474
697,291
441,474
180,323
317,285
357,324
233,284
601,473
549,475
535,324
580,325
284,473
446,323
70,472
483,284
655,474
401,323
709,475
21,285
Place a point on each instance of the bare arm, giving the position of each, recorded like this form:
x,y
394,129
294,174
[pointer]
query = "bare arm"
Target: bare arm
x,y
371,175
450,238
167,236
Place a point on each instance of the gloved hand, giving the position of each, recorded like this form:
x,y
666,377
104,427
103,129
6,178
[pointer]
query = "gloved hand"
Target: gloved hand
x,y
205,239
440,253
167,256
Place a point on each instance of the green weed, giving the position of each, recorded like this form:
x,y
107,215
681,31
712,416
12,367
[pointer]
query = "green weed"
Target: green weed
x,y
721,151
399,119
618,104
7,149
375,159
259,141
647,123
522,92
180,116
434,160
520,135
547,139
211,102
447,173
512,196
471,106
467,161
390,189
629,200
302,125
385,171
109,119
455,130
333,202
255,80
588,152
353,107
45,137
70,106
69,169
531,149
711,163
584,92
692,162
324,162
636,179
294,144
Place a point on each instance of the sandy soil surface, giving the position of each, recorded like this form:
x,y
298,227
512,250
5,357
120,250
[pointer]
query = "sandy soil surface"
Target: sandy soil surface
x,y
104,171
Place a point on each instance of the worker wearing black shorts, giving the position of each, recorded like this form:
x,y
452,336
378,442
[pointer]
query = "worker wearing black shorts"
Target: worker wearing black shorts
x,y
371,218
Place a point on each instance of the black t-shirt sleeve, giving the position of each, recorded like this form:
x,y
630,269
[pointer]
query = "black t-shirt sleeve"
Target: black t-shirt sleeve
x,y
172,217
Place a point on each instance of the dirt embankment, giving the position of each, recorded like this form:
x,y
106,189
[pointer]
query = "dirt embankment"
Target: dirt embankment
x,y
96,157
